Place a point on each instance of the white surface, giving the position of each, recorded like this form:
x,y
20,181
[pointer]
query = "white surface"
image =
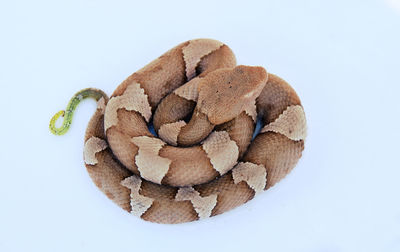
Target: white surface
x,y
342,57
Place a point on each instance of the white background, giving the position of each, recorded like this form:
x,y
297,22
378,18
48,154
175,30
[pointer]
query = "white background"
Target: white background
x,y
342,57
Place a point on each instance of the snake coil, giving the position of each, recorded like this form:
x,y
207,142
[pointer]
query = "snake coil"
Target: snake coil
x,y
204,160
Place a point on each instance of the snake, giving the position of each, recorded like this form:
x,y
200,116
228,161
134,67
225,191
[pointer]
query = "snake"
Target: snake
x,y
191,135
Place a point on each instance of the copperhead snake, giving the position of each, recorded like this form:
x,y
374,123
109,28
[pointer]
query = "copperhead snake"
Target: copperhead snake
x,y
203,159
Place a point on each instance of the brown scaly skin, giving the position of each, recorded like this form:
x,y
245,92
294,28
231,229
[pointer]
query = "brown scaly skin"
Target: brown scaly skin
x,y
220,173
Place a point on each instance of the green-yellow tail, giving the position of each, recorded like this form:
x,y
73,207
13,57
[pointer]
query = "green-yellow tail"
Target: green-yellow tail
x,y
69,112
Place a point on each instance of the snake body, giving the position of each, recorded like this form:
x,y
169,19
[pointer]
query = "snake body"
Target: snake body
x,y
204,160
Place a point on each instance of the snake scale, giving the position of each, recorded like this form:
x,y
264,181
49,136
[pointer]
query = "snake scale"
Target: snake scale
x,y
203,159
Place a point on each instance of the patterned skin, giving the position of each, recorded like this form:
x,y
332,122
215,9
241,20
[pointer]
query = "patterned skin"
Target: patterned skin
x,y
204,109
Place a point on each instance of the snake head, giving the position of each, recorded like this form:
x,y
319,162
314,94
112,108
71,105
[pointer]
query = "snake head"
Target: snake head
x,y
225,93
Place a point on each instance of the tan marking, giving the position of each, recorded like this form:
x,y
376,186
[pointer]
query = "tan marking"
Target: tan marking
x,y
101,105
133,98
169,132
254,175
189,91
202,205
195,50
92,146
291,123
139,203
221,150
151,166
251,110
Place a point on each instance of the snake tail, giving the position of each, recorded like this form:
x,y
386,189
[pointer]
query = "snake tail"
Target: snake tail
x,y
94,93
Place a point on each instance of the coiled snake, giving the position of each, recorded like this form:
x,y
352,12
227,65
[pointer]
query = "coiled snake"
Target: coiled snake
x,y
204,109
